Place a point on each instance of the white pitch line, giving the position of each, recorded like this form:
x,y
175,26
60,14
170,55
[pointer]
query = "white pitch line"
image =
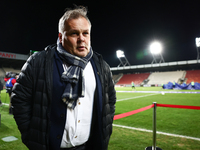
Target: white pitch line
x,y
158,132
135,97
5,104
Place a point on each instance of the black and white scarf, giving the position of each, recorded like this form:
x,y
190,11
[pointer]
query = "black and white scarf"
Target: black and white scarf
x,y
73,76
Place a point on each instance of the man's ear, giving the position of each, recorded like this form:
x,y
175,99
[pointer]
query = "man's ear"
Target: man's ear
x,y
60,37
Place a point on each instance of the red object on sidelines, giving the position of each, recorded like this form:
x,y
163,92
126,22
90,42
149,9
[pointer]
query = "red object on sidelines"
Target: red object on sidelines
x,y
178,106
132,112
150,106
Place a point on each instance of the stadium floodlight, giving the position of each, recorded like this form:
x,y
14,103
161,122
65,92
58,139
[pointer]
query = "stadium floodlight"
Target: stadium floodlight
x,y
197,45
122,58
120,53
156,49
198,42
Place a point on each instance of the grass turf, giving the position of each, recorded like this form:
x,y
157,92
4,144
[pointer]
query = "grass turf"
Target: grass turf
x,y
8,127
170,120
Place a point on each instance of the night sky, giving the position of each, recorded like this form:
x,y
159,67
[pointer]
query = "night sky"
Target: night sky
x,y
127,25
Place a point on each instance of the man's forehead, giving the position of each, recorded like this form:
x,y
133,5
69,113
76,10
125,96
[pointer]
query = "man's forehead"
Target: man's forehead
x,y
80,23
75,29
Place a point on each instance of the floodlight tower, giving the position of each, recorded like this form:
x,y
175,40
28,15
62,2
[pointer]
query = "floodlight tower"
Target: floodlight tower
x,y
198,45
155,49
122,58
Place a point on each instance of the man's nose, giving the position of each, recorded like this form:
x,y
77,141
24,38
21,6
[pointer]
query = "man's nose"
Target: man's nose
x,y
81,37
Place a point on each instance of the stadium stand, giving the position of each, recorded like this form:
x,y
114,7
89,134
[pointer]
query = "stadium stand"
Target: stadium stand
x,y
192,76
10,70
2,73
117,77
165,77
136,78
163,72
11,62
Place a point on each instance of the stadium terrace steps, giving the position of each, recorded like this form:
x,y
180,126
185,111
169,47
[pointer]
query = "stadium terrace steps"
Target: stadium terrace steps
x,y
159,77
136,78
192,76
165,77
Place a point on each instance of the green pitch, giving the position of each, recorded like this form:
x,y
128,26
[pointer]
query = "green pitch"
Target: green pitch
x,y
183,122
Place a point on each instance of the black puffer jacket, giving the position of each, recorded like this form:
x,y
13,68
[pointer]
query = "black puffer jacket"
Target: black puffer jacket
x,y
32,95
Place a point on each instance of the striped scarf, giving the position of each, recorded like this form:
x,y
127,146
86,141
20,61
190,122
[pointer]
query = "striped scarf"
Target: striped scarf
x,y
73,76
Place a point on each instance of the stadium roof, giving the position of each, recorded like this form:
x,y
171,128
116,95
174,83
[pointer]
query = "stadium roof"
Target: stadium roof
x,y
167,66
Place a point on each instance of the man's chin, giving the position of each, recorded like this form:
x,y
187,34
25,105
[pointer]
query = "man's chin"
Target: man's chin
x,y
82,53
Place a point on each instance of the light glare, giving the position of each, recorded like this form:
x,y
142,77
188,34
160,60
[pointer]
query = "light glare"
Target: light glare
x,y
198,42
155,48
120,53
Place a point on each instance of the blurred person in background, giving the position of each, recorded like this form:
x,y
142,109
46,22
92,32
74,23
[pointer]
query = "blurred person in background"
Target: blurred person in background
x,y
10,80
133,85
64,97
1,88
